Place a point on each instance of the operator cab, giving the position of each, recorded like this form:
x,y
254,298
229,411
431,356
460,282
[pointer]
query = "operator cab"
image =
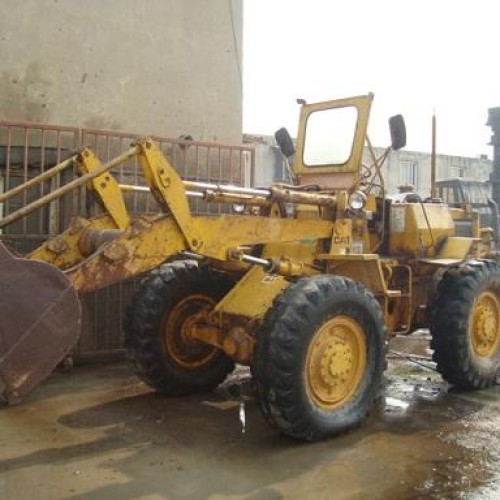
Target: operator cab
x,y
331,140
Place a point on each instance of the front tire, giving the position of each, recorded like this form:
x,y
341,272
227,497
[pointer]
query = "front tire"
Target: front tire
x,y
319,357
155,323
465,325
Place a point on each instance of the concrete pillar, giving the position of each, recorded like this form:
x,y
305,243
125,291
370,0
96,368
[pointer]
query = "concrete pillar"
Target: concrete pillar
x,y
494,123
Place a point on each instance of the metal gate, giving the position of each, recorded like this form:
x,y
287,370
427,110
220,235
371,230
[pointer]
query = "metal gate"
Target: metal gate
x,y
27,149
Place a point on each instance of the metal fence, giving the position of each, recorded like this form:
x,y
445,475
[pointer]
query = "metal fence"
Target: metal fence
x,y
28,149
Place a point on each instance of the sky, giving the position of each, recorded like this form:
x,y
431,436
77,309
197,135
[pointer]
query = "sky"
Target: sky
x,y
415,56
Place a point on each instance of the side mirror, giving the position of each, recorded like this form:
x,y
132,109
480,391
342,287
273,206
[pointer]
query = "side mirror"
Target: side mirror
x,y
285,142
398,132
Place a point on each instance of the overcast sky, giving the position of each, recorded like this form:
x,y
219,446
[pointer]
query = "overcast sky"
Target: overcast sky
x,y
415,56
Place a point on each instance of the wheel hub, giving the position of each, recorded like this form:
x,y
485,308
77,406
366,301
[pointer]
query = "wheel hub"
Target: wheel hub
x,y
485,335
177,324
335,362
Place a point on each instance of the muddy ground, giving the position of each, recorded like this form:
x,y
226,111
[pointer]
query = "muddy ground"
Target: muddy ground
x,y
98,433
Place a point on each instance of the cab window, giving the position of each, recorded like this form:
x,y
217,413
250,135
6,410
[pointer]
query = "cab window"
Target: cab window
x,y
329,136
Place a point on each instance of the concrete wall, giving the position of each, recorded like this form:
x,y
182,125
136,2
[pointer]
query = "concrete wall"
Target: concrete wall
x,y
167,67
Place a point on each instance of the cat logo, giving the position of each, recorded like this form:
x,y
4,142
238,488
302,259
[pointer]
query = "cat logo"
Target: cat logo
x,y
341,240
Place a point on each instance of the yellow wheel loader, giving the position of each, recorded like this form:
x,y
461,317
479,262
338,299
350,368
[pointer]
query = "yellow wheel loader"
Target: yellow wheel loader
x,y
306,282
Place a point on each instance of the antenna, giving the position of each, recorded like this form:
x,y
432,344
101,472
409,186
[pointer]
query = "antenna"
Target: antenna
x,y
433,156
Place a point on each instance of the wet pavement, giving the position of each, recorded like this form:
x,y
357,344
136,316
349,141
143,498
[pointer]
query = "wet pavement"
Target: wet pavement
x,y
98,433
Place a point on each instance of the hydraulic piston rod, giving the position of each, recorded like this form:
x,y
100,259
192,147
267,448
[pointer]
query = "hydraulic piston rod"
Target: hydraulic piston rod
x,y
266,193
234,194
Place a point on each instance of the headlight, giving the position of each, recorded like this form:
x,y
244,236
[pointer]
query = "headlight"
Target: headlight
x,y
238,208
357,200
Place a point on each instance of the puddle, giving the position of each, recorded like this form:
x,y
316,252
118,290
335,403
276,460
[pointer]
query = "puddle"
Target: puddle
x,y
449,440
467,423
395,406
423,440
242,417
396,403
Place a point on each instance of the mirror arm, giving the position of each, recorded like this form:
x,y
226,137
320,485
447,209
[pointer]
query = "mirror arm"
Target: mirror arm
x,y
378,163
289,169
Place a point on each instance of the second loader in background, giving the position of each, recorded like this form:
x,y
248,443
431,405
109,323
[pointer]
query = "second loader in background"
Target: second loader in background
x,y
471,196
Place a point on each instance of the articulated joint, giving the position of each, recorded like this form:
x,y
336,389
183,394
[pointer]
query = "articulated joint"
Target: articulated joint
x,y
237,343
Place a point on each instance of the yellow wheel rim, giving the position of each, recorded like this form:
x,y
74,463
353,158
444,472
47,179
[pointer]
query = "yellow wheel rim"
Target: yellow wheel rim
x,y
188,353
485,325
335,362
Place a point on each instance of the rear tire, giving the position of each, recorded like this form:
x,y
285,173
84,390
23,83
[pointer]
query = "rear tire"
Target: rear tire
x,y
163,357
465,325
319,357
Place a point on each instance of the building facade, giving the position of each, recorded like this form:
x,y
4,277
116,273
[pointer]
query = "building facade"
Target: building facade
x,y
401,167
414,168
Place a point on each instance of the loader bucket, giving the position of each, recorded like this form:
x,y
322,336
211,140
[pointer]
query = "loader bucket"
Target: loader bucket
x,y
40,320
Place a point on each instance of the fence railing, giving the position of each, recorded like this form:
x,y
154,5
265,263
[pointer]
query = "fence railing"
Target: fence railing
x,y
28,149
